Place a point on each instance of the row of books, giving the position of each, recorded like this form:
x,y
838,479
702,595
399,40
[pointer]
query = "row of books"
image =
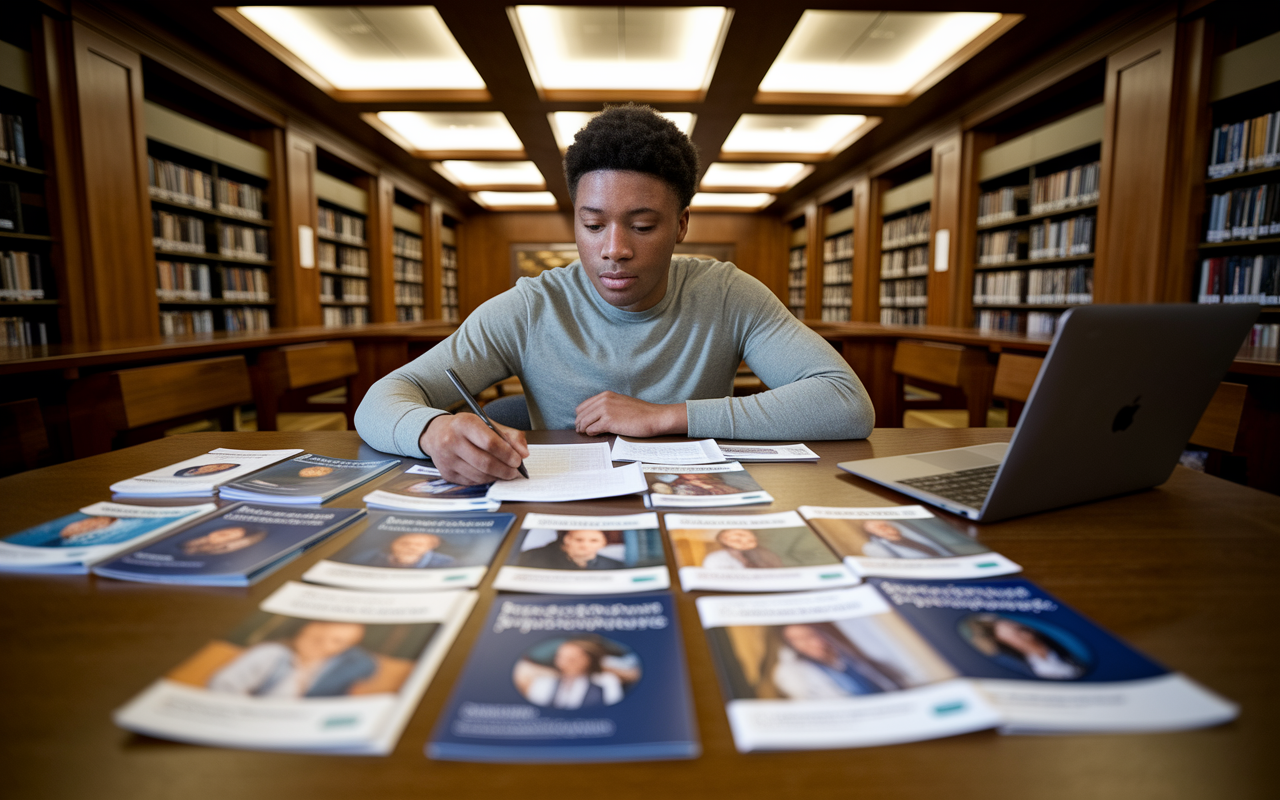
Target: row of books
x,y
1030,323
905,231
409,314
836,314
834,272
1066,189
909,263
796,264
20,331
796,301
1060,284
173,323
449,279
406,245
343,259
13,139
1264,335
347,227
337,316
177,232
347,290
1002,246
179,280
908,293
450,313
902,316
240,199
408,294
241,241
1068,237
837,297
1244,214
1240,279
21,276
1243,146
246,319
1003,204
176,183
406,269
999,287
840,246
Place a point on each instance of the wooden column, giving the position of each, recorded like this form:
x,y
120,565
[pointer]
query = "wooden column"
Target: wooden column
x,y
379,235
815,225
866,271
945,216
432,259
298,287
966,234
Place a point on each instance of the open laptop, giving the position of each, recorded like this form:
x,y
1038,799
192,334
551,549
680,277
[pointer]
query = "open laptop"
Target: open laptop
x,y
1117,398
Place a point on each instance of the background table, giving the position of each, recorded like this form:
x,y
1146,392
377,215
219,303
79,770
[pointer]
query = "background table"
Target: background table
x,y
1187,572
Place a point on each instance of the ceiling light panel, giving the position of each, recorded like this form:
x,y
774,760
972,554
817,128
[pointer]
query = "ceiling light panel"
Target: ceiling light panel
x,y
492,174
617,52
498,201
799,137
876,57
566,124
774,177
450,134
364,48
727,201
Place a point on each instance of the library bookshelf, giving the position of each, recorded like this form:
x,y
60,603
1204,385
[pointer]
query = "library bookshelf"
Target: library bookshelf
x,y
407,259
449,268
905,212
837,259
797,266
342,255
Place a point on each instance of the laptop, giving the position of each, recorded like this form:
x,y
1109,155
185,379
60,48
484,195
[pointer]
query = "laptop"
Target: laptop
x,y
1112,409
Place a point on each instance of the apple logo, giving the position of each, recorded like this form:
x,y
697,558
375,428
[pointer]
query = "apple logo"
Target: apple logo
x,y
1124,417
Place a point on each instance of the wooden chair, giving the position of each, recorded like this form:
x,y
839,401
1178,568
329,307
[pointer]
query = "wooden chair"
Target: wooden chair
x,y
946,365
1220,425
1015,375
24,442
281,375
135,405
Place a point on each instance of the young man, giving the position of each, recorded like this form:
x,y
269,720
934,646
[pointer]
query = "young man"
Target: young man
x,y
627,340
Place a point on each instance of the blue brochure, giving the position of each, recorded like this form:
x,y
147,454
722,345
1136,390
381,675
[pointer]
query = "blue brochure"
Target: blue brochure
x,y
564,679
307,480
236,547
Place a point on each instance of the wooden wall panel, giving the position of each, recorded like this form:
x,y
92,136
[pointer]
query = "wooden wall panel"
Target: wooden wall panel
x,y
945,215
382,298
1134,209
118,271
866,273
299,287
815,226
760,244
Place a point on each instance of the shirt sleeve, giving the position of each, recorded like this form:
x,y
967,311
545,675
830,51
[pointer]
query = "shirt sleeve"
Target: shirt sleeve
x,y
815,396
484,350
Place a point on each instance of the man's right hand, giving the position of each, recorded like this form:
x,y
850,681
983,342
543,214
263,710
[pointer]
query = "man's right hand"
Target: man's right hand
x,y
466,452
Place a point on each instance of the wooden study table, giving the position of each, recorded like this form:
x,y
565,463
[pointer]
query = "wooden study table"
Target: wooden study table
x,y
1186,572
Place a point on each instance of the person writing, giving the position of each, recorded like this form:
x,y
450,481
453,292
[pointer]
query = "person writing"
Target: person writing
x,y
627,340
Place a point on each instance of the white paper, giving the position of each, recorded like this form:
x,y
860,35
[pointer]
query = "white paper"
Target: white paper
x,y
770,452
422,469
941,250
400,502
306,247
567,486
556,459
165,482
703,451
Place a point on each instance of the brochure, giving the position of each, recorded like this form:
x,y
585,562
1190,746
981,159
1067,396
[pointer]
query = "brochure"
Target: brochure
x,y
904,542
199,476
562,679
771,452
565,472
317,670
403,551
563,554
237,546
414,491
306,480
752,553
703,451
821,670
1044,667
709,486
73,543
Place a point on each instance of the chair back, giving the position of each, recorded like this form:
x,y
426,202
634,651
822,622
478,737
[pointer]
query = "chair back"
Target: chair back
x,y
1220,425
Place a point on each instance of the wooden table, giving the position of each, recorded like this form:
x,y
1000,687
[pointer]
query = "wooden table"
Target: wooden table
x,y
1186,572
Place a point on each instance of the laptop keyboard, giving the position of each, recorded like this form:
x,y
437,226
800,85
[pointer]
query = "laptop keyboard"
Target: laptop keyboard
x,y
967,486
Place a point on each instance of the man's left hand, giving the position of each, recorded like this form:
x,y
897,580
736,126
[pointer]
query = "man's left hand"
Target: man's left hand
x,y
610,412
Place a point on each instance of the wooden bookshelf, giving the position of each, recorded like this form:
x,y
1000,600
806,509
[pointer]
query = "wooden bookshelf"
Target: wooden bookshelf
x,y
407,252
837,259
449,270
342,254
903,263
797,266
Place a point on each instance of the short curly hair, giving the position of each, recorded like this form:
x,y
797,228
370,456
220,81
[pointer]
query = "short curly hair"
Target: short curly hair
x,y
635,138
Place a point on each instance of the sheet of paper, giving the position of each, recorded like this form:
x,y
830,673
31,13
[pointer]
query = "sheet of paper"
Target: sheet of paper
x,y
773,452
704,451
566,486
557,459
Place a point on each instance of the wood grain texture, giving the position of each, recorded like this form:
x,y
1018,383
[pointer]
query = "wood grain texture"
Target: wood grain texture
x,y
154,394
1220,425
1184,572
1015,375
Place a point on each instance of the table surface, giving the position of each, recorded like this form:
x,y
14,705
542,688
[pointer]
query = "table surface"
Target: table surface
x,y
1185,572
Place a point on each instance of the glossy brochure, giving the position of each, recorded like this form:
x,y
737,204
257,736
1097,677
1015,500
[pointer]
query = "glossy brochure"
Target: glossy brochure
x,y
572,554
199,476
707,486
306,480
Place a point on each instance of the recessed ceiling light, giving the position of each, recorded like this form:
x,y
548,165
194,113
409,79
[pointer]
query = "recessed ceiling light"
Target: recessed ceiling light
x,y
775,177
364,53
495,175
512,201
796,137
876,57
621,53
566,124
450,134
730,201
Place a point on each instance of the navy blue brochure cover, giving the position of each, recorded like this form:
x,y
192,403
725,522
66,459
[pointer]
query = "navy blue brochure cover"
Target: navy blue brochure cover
x,y
565,679
1011,629
308,478
236,547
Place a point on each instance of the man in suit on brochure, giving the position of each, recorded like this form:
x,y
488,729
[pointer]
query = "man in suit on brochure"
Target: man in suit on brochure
x,y
628,339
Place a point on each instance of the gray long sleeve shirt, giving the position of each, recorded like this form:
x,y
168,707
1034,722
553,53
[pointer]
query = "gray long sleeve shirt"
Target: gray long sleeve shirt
x,y
567,344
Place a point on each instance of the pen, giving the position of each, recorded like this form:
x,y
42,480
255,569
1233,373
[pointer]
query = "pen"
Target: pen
x,y
471,401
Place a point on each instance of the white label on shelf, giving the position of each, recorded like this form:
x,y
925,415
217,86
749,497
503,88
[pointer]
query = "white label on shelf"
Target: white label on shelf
x,y
941,250
306,247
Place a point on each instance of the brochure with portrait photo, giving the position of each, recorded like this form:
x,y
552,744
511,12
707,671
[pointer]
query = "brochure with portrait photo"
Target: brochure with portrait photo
x,y
404,551
752,553
315,670
74,543
568,554
237,546
904,542
414,491
706,486
306,480
570,680
199,476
